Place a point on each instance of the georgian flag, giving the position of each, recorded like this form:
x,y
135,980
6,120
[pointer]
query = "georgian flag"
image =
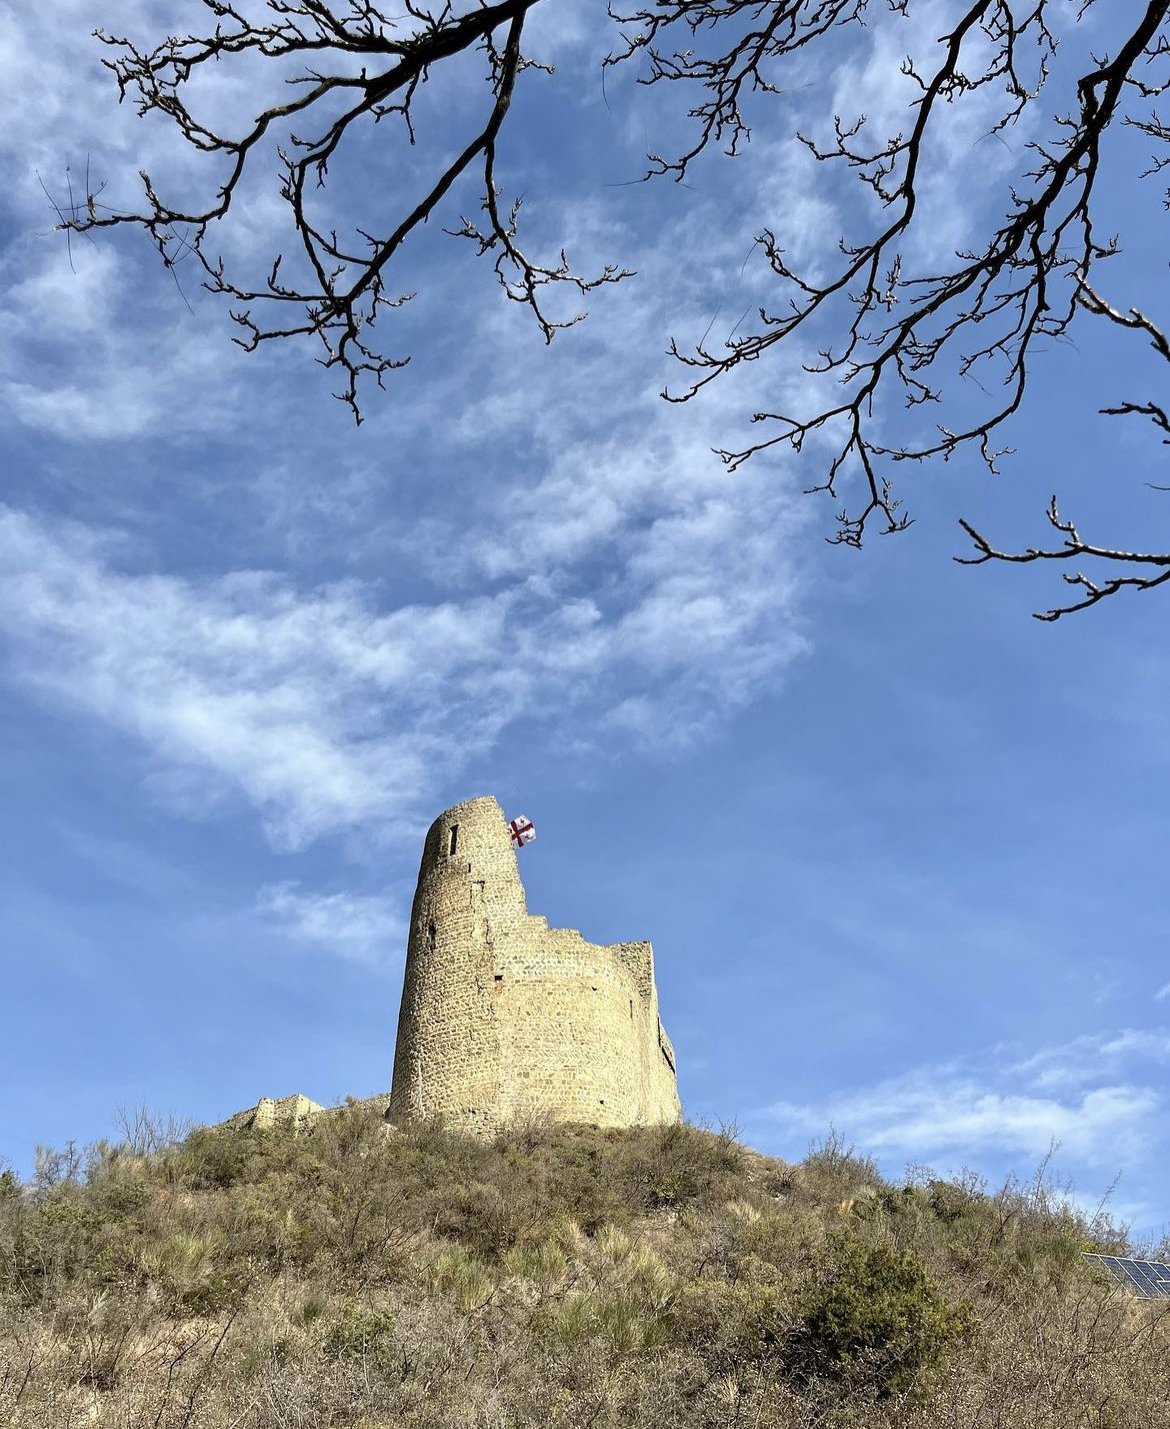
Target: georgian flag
x,y
522,830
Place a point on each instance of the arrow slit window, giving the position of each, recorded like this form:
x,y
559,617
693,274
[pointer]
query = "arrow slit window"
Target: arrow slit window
x,y
453,840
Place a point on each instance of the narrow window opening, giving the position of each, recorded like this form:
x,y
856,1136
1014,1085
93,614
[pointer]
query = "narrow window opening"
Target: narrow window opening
x,y
431,932
499,977
631,1009
454,840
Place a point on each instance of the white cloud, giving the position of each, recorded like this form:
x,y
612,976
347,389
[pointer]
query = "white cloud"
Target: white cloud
x,y
366,929
591,565
325,711
1089,1058
1088,1095
103,341
604,572
961,155
924,1117
1162,993
319,710
101,349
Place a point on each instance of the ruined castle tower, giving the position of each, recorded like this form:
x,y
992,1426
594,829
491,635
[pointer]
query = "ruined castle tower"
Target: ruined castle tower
x,y
503,1016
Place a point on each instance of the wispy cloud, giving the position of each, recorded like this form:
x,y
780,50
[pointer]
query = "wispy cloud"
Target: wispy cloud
x,y
102,350
318,709
104,342
1090,1058
1090,1095
915,1116
363,928
325,710
590,566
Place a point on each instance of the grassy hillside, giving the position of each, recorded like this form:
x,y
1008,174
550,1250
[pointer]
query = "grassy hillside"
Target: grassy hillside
x,y
563,1277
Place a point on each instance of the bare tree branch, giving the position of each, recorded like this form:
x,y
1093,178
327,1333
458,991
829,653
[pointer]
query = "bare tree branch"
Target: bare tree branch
x,y
1074,546
894,341
987,311
1090,590
341,292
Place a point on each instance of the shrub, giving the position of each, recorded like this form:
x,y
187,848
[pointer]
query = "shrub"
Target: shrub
x,y
569,1322
678,1165
216,1291
462,1277
542,1263
361,1331
832,1172
627,1324
739,1326
878,1321
486,1217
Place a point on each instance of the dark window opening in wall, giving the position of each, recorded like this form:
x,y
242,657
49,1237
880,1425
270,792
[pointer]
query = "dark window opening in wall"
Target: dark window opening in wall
x,y
631,1009
431,932
499,977
595,989
454,840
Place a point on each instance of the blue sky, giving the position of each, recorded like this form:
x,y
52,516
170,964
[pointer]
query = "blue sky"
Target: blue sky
x,y
898,846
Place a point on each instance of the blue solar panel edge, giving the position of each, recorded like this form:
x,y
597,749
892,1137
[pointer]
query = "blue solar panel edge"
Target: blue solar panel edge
x,y
1148,1278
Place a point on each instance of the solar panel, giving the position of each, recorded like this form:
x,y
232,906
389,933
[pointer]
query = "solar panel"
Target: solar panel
x,y
1147,1278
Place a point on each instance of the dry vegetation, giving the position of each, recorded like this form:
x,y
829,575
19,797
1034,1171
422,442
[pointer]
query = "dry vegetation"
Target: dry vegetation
x,y
566,1277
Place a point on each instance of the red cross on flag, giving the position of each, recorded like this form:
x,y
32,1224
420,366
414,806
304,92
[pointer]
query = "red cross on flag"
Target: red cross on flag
x,y
522,830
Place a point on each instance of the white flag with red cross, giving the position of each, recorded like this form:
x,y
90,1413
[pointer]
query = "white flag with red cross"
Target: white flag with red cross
x,y
522,830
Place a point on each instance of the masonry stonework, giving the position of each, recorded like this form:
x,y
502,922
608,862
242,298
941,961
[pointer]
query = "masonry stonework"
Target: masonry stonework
x,y
503,1017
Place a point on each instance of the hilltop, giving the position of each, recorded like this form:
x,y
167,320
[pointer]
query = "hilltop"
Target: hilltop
x,y
568,1276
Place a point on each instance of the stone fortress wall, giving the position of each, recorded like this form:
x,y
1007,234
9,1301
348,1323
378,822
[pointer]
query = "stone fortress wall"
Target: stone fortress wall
x,y
503,1017
296,1111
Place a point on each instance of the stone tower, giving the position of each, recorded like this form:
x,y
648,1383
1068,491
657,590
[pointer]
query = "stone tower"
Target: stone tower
x,y
503,1016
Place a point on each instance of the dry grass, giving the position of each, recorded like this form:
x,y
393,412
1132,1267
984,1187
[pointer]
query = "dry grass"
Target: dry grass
x,y
566,1277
